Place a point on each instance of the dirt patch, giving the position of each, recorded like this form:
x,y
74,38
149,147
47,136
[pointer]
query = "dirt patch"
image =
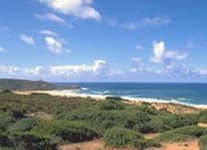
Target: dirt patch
x,y
187,145
41,115
151,135
92,145
203,125
99,145
176,108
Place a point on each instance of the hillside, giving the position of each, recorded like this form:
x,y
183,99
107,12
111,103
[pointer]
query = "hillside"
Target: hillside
x,y
45,122
16,84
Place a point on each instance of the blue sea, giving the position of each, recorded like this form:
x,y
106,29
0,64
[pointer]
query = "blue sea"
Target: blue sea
x,y
185,93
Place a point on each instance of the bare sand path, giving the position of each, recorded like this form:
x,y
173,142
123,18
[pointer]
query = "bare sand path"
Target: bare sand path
x,y
99,145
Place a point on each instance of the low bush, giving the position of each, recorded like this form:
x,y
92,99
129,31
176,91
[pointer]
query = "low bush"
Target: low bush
x,y
203,117
6,91
119,137
183,133
114,98
170,136
32,141
72,131
203,142
5,121
145,143
111,105
25,124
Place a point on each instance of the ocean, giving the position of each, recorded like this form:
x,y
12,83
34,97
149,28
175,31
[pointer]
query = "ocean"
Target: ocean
x,y
184,93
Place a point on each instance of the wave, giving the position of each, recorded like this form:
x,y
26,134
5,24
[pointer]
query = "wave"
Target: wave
x,y
84,89
104,94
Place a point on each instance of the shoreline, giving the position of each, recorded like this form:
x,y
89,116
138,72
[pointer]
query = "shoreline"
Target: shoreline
x,y
102,97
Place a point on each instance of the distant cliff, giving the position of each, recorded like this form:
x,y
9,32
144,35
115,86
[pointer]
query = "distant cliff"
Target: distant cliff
x,y
16,84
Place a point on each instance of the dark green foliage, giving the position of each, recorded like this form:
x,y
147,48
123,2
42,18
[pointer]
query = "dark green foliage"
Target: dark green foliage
x,y
172,137
114,98
25,124
120,137
32,141
6,121
6,91
144,143
16,114
203,142
73,131
167,121
203,117
182,133
111,105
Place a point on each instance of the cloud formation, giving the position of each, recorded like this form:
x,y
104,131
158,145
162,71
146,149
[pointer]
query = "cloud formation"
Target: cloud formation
x,y
48,32
79,8
161,54
75,70
156,21
51,17
55,45
27,39
158,51
147,22
2,49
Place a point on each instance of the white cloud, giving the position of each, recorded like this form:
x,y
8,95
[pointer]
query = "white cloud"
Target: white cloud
x,y
55,46
139,47
76,70
27,39
79,8
162,55
51,17
21,72
136,59
130,26
159,51
156,21
176,55
2,49
48,32
147,22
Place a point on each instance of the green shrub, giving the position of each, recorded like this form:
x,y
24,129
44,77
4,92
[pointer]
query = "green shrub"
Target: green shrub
x,y
16,114
161,123
203,142
144,143
25,124
5,121
6,91
141,120
32,141
170,136
182,133
193,131
120,137
203,117
114,98
111,105
72,131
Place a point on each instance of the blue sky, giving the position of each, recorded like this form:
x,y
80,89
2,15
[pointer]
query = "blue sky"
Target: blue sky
x,y
104,40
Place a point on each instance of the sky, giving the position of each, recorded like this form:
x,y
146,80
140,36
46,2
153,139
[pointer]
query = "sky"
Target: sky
x,y
104,40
